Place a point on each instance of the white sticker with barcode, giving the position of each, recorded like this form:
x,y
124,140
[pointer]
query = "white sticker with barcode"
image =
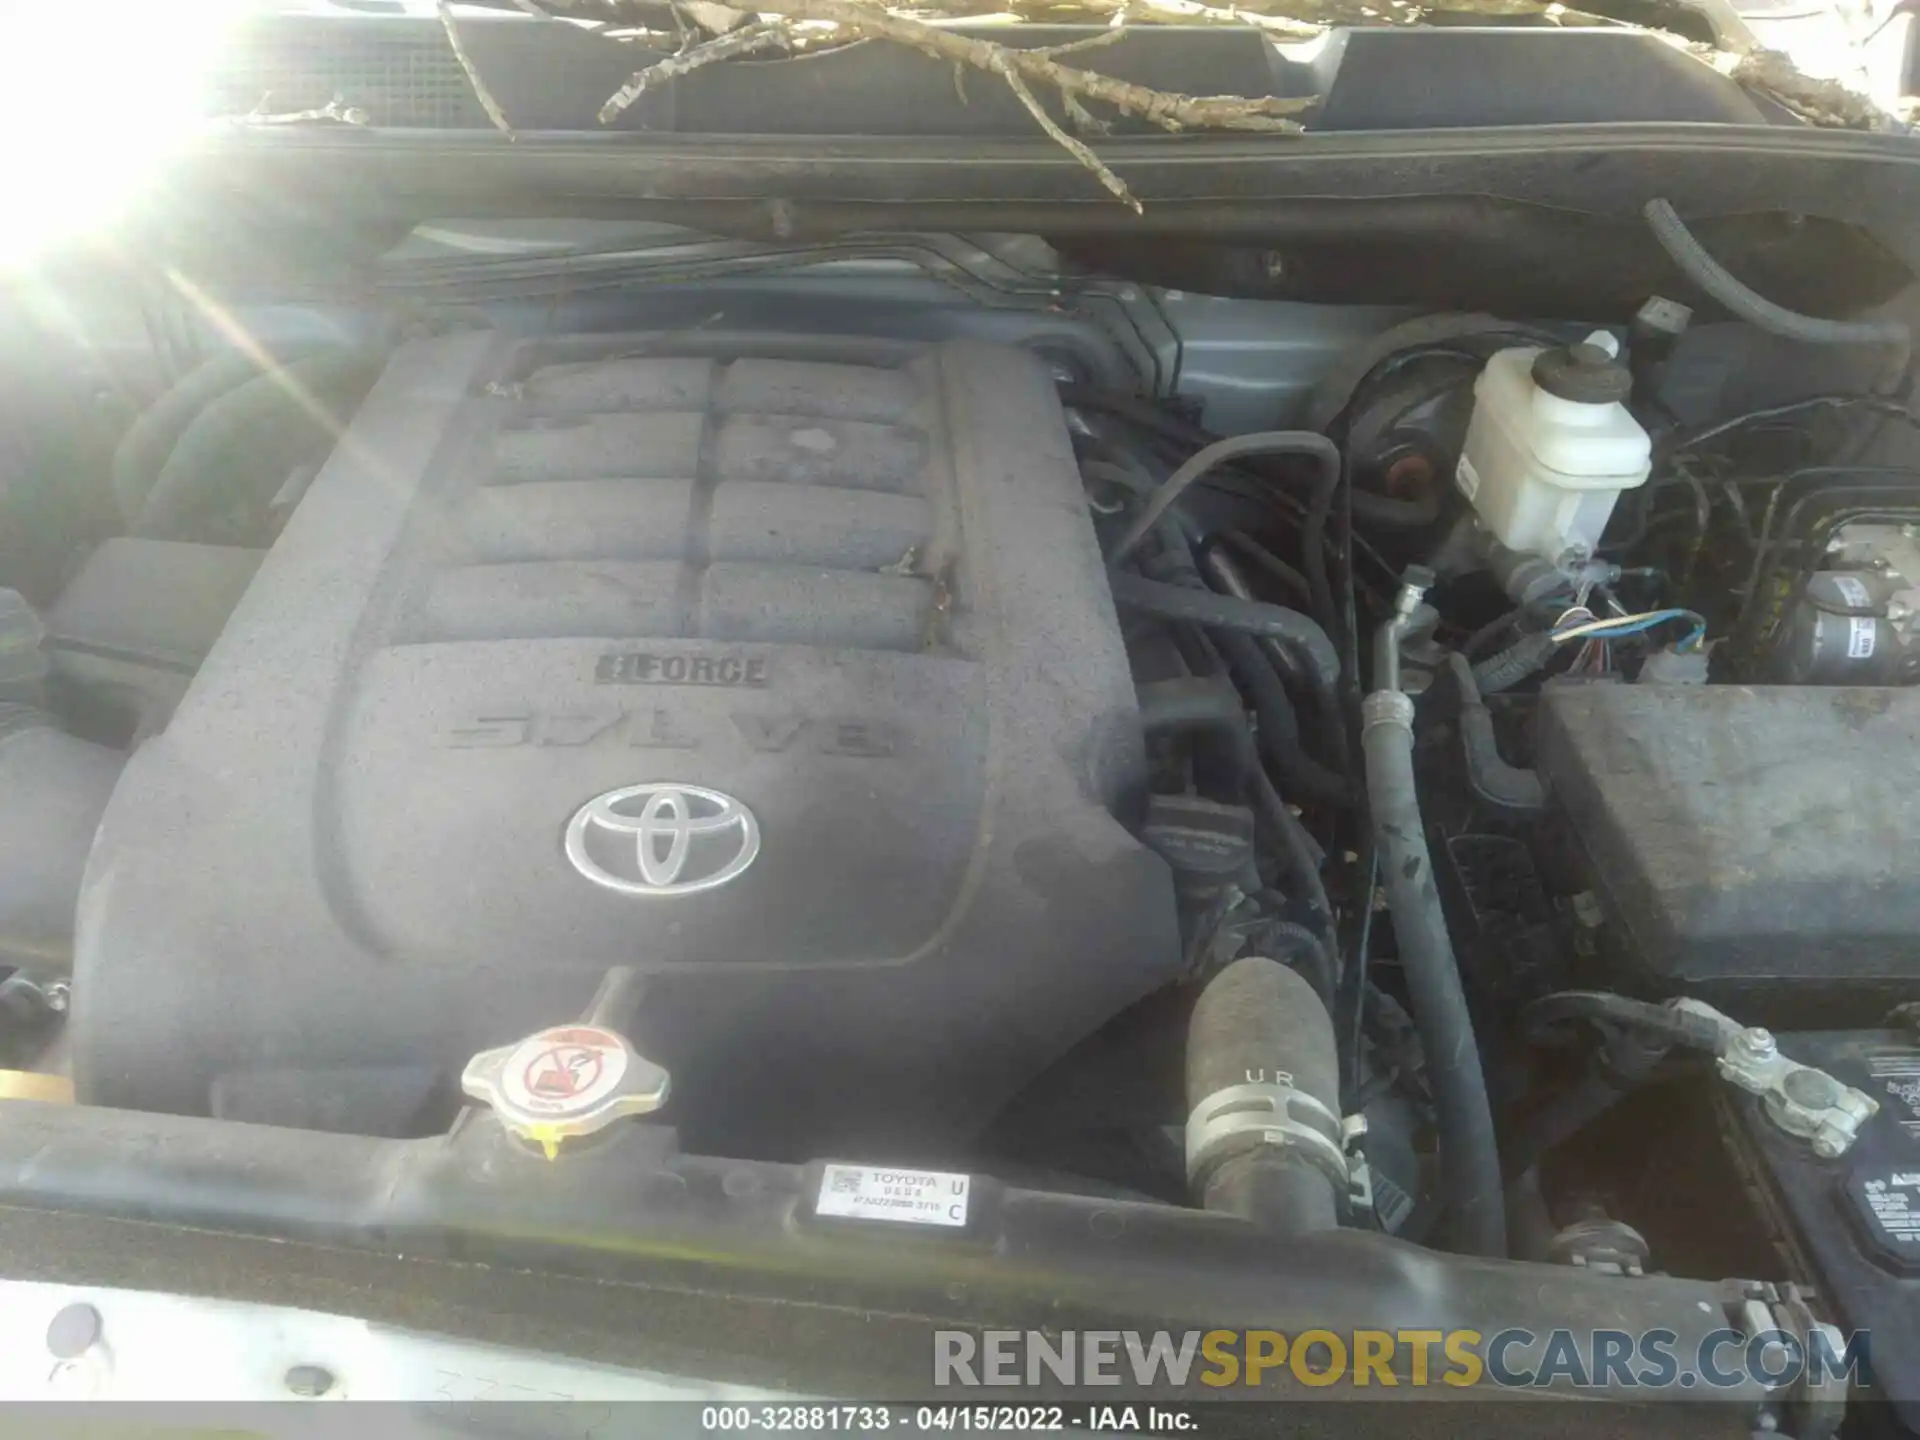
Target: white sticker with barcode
x,y
913,1197
1863,634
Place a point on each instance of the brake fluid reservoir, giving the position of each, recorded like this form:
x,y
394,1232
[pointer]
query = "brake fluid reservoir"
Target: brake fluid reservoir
x,y
1551,447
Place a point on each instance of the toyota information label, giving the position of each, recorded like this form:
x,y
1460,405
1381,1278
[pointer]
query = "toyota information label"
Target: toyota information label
x,y
914,1197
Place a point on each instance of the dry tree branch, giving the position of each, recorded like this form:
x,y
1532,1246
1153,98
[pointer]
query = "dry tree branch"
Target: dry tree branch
x,y
1192,12
747,40
1076,148
1092,42
1084,120
1169,111
1022,70
484,95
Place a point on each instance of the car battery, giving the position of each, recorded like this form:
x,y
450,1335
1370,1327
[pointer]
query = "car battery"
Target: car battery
x,y
1849,1226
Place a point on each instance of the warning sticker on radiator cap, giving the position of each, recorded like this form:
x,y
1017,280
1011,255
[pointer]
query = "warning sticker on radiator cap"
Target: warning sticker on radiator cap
x,y
911,1197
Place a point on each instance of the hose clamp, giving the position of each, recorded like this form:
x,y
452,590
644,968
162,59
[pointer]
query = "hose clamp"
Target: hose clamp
x,y
1267,1113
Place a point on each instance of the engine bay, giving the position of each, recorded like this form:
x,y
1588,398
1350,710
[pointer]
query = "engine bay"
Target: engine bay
x,y
1334,767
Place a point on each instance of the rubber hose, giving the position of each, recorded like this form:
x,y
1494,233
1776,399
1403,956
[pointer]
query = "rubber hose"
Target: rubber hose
x,y
1204,704
1299,859
143,450
241,448
1526,657
1258,1018
1301,633
1750,305
1469,1156
1251,550
1298,947
1381,509
1300,774
1222,452
1503,786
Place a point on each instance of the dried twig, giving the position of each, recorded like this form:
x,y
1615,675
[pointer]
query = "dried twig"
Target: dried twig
x,y
748,40
1192,12
1084,120
1074,47
335,112
1024,71
1169,111
485,96
1818,102
1076,148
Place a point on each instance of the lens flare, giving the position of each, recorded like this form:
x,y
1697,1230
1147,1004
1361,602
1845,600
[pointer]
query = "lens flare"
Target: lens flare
x,y
93,98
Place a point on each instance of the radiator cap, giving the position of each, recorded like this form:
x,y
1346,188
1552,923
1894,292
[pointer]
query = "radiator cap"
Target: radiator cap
x,y
565,1082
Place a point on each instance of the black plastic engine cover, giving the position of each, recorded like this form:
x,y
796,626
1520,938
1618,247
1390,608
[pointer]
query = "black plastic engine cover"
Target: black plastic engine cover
x,y
849,584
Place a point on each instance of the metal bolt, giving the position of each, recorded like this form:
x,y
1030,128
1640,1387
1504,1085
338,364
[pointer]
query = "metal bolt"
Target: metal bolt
x,y
1814,1089
1898,611
309,1382
1755,1043
1274,263
59,994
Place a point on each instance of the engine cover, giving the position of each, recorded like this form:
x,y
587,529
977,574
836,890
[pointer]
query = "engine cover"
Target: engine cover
x,y
780,668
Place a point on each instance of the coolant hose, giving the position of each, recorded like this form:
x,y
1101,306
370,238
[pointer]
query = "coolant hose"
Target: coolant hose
x,y
1300,633
1747,304
1469,1158
1264,1139
241,447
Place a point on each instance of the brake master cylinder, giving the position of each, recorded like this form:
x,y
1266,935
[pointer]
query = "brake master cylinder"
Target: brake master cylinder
x,y
1551,447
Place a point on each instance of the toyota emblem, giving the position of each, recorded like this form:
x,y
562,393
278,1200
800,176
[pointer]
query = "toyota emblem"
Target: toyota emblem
x,y
662,839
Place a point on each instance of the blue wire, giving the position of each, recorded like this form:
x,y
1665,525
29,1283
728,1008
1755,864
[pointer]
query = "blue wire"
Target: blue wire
x,y
1638,624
